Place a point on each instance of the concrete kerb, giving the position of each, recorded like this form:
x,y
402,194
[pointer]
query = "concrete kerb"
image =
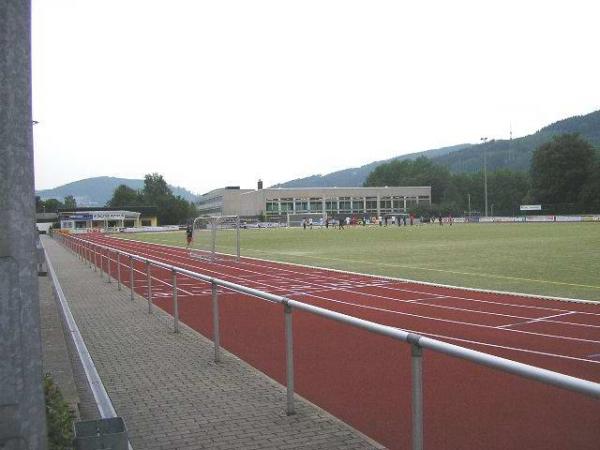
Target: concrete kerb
x,y
165,319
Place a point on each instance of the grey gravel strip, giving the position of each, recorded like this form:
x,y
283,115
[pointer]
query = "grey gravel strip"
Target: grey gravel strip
x,y
168,389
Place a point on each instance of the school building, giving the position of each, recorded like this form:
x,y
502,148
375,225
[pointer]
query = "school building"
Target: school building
x,y
333,201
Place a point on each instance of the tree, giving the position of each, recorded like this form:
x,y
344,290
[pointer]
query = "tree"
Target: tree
x,y
560,169
125,196
589,197
420,172
70,202
52,205
39,204
155,188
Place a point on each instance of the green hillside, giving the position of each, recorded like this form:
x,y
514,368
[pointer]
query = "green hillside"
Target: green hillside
x,y
97,191
516,154
356,176
501,154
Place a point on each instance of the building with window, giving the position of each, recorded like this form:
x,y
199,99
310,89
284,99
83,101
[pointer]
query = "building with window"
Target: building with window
x,y
90,218
333,201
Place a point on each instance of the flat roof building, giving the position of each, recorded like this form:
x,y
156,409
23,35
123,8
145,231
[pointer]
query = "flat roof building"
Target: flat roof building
x,y
333,201
105,217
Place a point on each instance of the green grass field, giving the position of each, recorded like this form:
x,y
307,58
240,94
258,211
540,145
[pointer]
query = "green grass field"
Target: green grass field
x,y
555,259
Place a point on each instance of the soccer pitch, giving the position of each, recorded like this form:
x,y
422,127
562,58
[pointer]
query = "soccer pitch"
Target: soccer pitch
x,y
554,259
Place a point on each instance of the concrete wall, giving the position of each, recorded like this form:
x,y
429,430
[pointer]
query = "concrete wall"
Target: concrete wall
x,y
22,413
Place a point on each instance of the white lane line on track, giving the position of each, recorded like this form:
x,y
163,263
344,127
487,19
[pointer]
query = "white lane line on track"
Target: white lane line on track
x,y
438,306
142,281
539,319
141,248
511,305
170,245
504,347
449,296
386,297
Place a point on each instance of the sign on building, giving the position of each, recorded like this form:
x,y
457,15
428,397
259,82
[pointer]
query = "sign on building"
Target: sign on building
x,y
531,207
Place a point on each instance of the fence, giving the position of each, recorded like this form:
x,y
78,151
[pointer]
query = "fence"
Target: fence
x,y
99,256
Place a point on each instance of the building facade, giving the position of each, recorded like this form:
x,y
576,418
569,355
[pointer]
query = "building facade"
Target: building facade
x,y
104,217
333,201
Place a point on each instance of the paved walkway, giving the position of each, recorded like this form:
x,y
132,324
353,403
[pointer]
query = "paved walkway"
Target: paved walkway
x,y
168,389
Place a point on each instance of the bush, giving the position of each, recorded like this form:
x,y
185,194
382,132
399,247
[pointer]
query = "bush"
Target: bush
x,y
59,417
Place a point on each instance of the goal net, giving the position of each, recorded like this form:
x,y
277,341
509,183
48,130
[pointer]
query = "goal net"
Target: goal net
x,y
298,220
216,237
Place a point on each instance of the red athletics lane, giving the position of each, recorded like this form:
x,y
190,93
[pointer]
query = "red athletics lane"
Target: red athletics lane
x,y
364,379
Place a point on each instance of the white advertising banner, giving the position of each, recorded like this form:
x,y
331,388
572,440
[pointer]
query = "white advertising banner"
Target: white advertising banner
x,y
108,215
568,218
540,219
531,207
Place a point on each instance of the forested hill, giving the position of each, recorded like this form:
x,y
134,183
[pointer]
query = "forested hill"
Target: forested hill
x,y
515,154
356,176
97,191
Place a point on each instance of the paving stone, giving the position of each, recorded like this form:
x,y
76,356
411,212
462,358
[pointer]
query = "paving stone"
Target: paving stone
x,y
167,387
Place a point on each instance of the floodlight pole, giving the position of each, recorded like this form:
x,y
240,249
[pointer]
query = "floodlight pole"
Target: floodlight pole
x,y
469,201
485,194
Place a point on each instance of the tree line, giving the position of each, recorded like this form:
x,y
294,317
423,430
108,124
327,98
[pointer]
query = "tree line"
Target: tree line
x,y
52,205
564,177
171,209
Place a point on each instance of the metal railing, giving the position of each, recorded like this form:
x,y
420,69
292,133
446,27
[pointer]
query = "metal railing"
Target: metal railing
x,y
103,403
84,249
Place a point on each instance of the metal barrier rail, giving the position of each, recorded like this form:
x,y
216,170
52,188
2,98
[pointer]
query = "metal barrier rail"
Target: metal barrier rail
x,y
103,402
84,250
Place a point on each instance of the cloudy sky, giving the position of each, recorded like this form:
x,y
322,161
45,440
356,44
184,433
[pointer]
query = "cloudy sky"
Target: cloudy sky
x,y
215,93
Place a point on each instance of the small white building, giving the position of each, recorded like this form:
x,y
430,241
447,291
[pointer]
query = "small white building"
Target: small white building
x,y
80,221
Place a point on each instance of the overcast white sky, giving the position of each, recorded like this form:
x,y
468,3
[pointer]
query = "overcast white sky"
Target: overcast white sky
x,y
215,93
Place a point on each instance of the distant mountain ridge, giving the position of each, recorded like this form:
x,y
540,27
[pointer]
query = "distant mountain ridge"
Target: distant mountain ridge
x,y
99,190
512,154
357,175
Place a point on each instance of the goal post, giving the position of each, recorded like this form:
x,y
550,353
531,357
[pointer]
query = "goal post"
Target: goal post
x,y
216,237
298,219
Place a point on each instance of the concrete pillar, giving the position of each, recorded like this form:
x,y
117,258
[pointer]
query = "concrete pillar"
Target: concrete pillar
x,y
22,419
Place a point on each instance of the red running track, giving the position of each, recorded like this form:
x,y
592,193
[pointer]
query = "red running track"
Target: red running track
x,y
364,379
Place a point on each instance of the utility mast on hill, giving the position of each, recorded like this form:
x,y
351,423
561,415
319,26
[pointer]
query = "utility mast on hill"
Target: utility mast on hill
x,y
510,157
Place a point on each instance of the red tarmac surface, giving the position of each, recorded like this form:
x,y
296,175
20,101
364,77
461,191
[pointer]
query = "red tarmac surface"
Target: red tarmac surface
x,y
364,379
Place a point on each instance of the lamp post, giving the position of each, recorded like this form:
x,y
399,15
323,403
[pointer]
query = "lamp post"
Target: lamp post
x,y
483,141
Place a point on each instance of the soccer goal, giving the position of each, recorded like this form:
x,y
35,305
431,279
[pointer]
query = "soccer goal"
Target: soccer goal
x,y
296,220
216,237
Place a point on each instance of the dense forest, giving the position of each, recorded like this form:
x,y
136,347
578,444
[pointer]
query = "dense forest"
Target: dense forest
x,y
512,154
563,176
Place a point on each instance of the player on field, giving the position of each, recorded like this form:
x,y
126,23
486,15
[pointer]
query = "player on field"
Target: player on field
x,y
188,234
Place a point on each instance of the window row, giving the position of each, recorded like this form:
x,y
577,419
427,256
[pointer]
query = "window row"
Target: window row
x,y
344,204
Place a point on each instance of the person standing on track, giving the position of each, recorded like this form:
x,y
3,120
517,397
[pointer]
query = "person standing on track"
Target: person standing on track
x,y
189,234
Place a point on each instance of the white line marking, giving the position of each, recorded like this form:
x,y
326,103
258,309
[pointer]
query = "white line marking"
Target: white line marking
x,y
400,280
541,319
378,309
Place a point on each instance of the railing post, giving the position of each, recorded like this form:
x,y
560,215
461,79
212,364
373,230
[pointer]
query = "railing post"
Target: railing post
x,y
175,306
216,329
289,355
101,251
417,392
108,265
118,270
95,259
89,254
238,238
131,279
149,279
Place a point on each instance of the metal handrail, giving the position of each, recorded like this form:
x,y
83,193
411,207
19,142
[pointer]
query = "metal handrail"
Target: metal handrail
x,y
417,342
